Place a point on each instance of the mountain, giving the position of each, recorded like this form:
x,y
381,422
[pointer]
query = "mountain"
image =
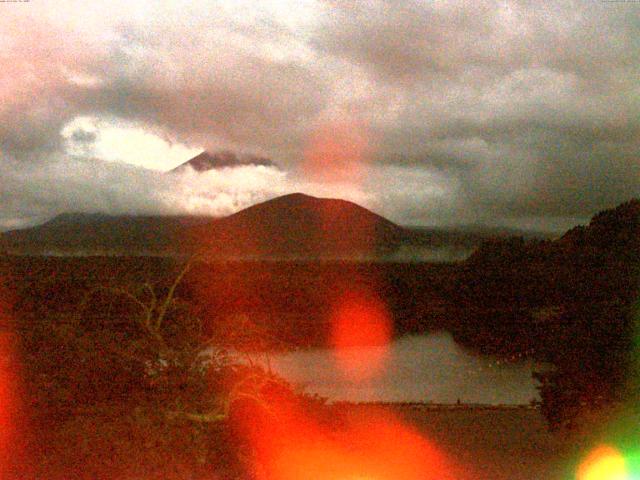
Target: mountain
x,y
301,225
294,225
209,161
96,233
291,226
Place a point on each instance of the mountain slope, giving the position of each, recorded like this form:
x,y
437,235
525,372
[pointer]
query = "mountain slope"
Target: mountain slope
x,y
84,233
294,225
615,230
300,225
596,263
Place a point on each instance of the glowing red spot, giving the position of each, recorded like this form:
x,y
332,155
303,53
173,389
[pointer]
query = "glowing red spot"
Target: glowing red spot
x,y
360,320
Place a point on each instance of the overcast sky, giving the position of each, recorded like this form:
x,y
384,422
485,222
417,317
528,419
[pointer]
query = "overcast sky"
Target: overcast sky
x,y
519,113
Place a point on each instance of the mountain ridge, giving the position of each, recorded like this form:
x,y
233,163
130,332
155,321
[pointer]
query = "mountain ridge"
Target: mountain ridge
x,y
294,224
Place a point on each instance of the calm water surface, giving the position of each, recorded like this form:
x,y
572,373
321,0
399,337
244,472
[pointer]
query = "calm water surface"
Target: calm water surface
x,y
415,369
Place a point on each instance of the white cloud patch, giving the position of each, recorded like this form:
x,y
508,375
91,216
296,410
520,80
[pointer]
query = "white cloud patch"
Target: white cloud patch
x,y
125,142
73,184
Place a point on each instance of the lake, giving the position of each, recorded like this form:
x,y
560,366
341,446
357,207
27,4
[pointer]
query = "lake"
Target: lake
x,y
421,368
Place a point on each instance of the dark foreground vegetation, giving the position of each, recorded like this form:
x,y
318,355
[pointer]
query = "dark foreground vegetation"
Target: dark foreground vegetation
x,y
571,302
115,385
108,347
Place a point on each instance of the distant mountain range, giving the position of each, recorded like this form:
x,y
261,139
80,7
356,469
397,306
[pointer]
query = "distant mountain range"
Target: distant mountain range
x,y
291,226
210,161
96,233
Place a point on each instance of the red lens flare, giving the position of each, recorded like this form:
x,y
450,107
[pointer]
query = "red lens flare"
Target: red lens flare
x,y
8,389
360,319
7,400
336,152
290,445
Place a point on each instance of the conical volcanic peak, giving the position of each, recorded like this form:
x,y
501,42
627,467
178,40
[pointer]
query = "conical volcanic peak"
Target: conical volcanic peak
x,y
302,209
302,225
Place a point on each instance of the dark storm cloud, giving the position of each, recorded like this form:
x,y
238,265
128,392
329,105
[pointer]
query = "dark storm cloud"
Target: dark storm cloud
x,y
407,39
400,40
203,97
83,136
531,109
235,110
213,94
189,84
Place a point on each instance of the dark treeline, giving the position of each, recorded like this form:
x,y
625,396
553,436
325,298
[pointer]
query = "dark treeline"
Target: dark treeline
x,y
570,302
292,301
108,381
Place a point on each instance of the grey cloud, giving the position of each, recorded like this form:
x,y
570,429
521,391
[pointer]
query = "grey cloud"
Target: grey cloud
x,y
559,176
206,96
24,137
407,39
191,85
35,101
490,111
31,127
83,136
33,192
529,109
40,190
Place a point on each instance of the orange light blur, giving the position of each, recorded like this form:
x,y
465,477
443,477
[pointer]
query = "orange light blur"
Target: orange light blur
x,y
372,447
360,319
337,151
603,463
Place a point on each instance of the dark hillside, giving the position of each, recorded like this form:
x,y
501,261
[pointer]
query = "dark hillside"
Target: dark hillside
x,y
301,225
571,302
83,233
291,226
288,300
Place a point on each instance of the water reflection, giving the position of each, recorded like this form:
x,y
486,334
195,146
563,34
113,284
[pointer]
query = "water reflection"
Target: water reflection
x,y
430,368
